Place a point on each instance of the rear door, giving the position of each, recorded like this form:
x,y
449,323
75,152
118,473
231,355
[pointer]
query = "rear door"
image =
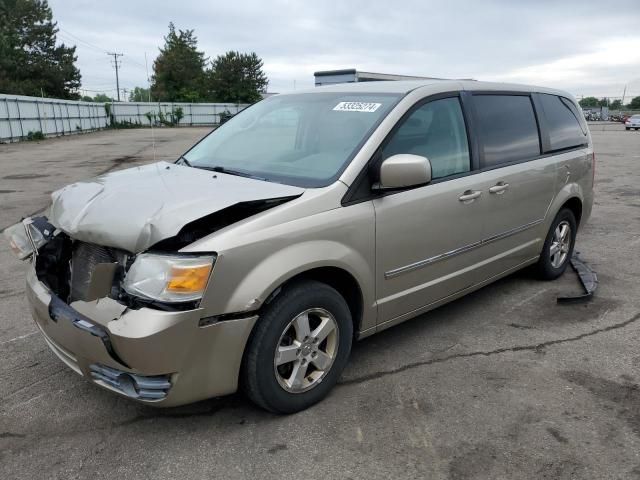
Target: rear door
x,y
519,181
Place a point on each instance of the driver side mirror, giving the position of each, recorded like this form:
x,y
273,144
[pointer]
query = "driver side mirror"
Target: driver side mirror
x,y
404,170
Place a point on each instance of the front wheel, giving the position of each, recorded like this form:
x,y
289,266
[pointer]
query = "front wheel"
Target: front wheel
x,y
558,246
298,348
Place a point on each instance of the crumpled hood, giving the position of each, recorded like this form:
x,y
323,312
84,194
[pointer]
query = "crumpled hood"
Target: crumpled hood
x,y
135,208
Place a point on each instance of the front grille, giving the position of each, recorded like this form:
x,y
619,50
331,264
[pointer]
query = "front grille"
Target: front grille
x,y
84,259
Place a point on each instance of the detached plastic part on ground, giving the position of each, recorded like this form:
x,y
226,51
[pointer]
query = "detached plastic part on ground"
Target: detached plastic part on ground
x,y
587,277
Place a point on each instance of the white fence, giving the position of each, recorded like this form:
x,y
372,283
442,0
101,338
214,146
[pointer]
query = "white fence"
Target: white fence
x,y
20,115
193,113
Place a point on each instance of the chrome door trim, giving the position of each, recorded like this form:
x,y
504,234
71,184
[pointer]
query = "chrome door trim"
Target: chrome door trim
x,y
452,253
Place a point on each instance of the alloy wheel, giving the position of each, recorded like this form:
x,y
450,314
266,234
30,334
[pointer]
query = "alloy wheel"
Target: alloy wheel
x,y
306,350
560,245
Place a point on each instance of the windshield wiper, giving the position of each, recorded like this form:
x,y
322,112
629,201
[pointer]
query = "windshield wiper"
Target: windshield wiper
x,y
219,169
184,161
230,171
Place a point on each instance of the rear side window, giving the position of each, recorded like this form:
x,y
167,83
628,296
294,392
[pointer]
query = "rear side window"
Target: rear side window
x,y
508,129
435,130
565,130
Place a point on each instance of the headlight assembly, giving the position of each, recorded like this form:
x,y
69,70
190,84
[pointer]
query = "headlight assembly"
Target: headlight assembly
x,y
169,278
28,236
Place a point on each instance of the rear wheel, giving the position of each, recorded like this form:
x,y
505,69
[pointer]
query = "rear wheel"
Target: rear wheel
x,y
558,246
298,348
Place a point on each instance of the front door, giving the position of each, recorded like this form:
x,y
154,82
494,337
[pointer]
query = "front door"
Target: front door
x,y
427,237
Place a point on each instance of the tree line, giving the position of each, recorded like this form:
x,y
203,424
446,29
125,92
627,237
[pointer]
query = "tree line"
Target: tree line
x,y
33,63
593,102
182,73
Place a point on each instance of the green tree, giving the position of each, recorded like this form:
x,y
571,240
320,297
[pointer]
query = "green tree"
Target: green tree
x,y
589,102
237,77
615,105
635,104
30,61
178,72
139,94
603,102
102,98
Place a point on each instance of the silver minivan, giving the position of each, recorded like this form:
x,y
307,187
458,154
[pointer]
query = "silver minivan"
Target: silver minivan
x,y
306,222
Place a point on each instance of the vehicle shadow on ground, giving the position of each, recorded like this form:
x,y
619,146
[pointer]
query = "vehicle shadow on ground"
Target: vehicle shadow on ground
x,y
365,351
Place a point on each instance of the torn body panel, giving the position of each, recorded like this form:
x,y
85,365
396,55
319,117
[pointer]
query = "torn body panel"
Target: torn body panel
x,y
588,280
103,335
136,208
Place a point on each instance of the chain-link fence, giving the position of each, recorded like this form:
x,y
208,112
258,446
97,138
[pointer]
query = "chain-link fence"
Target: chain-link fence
x,y
32,117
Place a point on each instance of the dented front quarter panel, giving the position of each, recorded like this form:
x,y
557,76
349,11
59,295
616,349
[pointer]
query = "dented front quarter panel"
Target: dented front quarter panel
x,y
203,361
135,208
261,253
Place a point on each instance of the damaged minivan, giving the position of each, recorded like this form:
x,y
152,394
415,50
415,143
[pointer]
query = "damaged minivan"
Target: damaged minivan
x,y
306,222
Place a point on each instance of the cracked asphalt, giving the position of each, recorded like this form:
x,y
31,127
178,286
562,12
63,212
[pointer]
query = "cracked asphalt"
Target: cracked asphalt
x,y
502,384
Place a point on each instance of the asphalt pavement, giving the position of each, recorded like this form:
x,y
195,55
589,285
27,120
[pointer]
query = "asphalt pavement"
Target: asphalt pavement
x,y
502,384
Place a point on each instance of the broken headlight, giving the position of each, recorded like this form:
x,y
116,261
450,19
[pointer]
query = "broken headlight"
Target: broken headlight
x,y
28,236
169,278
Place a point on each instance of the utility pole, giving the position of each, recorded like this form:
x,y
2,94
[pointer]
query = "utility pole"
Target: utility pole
x,y
115,63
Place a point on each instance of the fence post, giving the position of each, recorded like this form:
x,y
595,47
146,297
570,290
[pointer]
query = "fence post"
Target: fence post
x,y
20,118
39,117
55,118
6,106
68,118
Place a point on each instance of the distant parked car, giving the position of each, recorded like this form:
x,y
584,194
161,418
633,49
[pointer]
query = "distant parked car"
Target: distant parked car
x,y
632,122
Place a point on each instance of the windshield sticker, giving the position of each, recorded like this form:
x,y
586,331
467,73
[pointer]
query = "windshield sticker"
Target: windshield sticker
x,y
357,107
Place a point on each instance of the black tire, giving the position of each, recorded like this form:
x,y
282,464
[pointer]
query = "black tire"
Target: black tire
x,y
627,128
545,268
259,379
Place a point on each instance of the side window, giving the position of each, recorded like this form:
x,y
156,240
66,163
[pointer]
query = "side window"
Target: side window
x,y
507,128
437,131
565,130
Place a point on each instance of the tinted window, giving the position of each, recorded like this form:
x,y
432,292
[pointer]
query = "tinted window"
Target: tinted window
x,y
562,122
507,128
437,131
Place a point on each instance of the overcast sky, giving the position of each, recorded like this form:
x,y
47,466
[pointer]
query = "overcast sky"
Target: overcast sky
x,y
586,47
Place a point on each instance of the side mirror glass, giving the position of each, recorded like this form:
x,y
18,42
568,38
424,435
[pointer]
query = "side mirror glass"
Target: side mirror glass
x,y
404,170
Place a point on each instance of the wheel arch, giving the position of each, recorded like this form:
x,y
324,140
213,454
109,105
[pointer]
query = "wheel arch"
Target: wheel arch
x,y
337,278
575,205
571,197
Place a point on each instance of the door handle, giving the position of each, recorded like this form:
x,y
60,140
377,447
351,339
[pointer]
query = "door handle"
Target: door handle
x,y
499,188
469,196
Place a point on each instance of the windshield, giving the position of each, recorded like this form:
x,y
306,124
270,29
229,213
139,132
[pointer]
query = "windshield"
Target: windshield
x,y
305,140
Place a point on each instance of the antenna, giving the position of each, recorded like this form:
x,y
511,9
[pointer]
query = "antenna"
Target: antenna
x,y
153,138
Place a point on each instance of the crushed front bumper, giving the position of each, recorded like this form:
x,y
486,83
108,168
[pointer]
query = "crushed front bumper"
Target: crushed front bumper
x,y
156,357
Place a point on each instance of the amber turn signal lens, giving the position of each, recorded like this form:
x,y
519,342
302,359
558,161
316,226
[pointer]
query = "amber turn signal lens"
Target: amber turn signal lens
x,y
188,279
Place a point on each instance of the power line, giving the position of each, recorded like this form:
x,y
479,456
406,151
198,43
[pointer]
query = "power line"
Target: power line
x,y
91,45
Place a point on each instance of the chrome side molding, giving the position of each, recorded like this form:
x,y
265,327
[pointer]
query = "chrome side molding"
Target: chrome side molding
x,y
452,253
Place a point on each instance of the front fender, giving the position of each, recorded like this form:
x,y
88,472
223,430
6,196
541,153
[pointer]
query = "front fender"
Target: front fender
x,y
265,277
